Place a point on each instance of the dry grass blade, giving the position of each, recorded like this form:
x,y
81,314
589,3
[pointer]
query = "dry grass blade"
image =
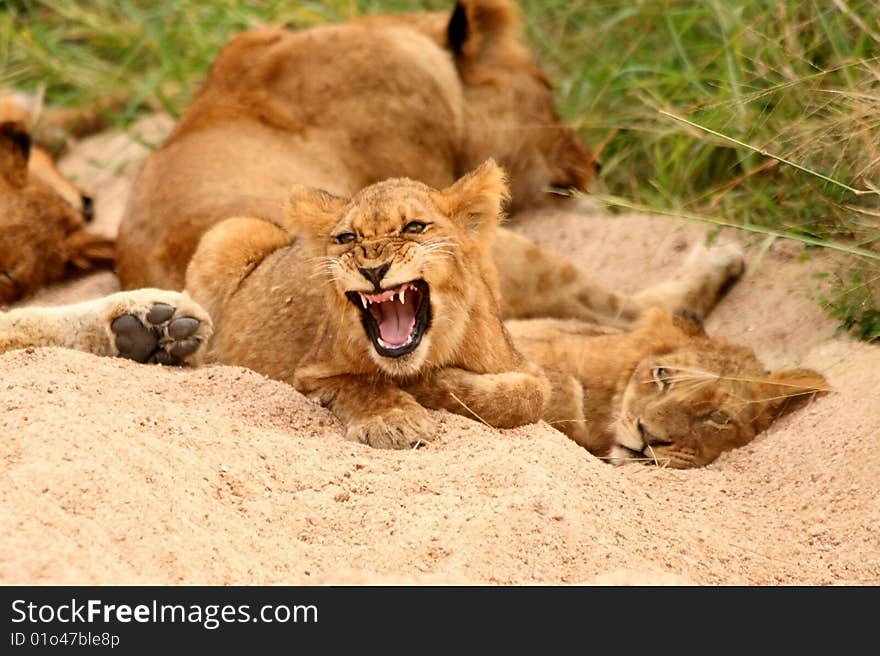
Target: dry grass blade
x,y
467,407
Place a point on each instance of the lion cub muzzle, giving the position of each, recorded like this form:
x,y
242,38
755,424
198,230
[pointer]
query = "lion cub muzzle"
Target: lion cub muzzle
x,y
395,319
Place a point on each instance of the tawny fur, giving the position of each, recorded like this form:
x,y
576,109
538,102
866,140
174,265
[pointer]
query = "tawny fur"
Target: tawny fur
x,y
422,97
87,326
279,302
664,393
43,234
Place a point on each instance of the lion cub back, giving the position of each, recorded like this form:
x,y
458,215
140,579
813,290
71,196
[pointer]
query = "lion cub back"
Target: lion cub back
x,y
281,108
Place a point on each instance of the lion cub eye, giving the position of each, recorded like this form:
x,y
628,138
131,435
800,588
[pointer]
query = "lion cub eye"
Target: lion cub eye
x,y
415,227
662,376
345,237
718,418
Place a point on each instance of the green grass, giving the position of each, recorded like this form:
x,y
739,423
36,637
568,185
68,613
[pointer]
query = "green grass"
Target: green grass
x,y
763,114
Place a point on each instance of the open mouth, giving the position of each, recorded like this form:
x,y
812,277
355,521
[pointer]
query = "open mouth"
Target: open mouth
x,y
395,319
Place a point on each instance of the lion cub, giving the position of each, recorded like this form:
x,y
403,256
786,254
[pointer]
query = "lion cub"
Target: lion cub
x,y
377,307
664,393
42,220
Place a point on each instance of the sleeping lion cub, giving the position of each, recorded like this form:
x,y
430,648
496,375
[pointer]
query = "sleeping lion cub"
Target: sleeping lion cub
x,y
386,304
664,393
43,218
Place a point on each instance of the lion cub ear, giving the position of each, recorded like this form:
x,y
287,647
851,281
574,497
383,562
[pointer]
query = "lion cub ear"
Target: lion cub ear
x,y
476,27
15,150
786,391
690,323
475,202
313,212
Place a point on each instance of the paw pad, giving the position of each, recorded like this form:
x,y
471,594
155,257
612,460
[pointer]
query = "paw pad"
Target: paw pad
x,y
157,337
160,313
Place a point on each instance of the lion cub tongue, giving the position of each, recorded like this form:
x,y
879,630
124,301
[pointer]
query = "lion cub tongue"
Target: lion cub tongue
x,y
396,320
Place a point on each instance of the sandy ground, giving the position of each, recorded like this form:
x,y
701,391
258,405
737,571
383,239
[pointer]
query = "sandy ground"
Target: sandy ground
x,y
121,473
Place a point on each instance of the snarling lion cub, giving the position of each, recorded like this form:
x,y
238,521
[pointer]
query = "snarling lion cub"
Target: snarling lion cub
x,y
379,306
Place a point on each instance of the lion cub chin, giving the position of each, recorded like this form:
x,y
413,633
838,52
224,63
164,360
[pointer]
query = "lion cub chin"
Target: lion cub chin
x,y
378,306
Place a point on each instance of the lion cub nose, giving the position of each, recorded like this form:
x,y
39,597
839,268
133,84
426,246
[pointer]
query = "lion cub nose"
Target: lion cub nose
x,y
375,274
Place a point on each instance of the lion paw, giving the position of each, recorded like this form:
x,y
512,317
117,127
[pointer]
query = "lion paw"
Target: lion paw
x,y
400,428
727,259
159,326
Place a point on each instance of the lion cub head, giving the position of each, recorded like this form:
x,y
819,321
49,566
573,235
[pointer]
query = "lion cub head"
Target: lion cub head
x,y
407,267
689,401
509,110
42,219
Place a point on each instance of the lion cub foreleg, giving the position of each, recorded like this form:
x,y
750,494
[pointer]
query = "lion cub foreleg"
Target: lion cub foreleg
x,y
146,325
226,255
537,283
501,400
565,410
375,411
698,285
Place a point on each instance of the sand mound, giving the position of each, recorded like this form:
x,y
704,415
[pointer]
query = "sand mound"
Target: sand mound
x,y
122,473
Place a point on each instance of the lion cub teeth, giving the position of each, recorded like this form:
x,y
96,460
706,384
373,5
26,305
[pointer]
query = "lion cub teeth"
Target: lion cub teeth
x,y
388,346
366,301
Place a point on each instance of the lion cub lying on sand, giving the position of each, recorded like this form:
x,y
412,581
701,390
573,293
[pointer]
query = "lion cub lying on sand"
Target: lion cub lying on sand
x,y
378,307
387,304
42,218
663,393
